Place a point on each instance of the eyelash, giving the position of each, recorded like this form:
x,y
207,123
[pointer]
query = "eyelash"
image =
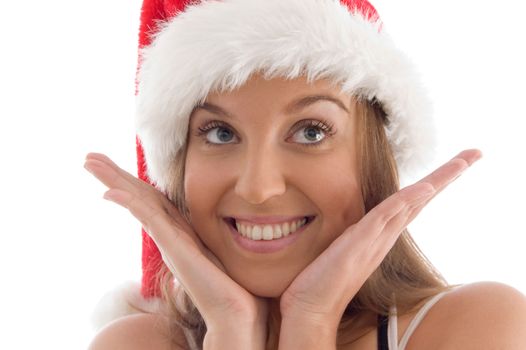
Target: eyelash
x,y
322,125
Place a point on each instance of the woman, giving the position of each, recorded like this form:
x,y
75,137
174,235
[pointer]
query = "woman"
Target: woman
x,y
274,142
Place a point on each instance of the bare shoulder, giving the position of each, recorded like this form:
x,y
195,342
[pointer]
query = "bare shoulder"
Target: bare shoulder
x,y
483,315
136,332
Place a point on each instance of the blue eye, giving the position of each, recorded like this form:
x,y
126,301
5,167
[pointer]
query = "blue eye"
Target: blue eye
x,y
311,134
221,134
216,133
314,132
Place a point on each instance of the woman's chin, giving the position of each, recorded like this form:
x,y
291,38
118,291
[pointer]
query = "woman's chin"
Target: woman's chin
x,y
264,287
266,291
268,281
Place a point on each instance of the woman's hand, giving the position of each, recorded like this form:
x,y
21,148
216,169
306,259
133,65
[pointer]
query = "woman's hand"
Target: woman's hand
x,y
317,298
225,306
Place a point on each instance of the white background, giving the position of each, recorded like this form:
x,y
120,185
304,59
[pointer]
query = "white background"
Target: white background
x,y
67,88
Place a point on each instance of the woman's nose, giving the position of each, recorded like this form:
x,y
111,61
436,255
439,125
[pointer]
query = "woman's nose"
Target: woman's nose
x,y
261,176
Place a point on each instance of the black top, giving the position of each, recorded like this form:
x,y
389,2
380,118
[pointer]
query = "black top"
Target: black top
x,y
383,322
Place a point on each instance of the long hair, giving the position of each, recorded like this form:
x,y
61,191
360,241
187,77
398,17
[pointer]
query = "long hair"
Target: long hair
x,y
404,278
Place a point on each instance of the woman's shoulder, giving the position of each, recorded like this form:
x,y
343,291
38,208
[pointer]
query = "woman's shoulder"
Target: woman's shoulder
x,y
137,332
482,315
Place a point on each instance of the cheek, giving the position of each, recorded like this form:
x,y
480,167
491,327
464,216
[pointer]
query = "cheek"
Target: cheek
x,y
202,180
202,188
337,193
343,206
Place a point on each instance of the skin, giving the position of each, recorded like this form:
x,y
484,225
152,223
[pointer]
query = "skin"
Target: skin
x,y
263,167
483,315
265,171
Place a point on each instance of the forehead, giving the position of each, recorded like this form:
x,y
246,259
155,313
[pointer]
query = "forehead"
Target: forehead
x,y
289,95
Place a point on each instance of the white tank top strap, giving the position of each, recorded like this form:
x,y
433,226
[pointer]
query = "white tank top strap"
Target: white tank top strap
x,y
392,328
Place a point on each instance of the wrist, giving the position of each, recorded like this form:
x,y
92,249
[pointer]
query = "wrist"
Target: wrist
x,y
235,335
306,333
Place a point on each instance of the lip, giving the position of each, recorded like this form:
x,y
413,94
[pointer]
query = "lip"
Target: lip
x,y
263,246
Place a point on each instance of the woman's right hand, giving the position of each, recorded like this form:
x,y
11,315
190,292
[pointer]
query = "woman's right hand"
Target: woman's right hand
x,y
224,305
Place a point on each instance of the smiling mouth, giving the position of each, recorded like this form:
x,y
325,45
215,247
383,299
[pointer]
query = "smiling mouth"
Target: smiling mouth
x,y
267,232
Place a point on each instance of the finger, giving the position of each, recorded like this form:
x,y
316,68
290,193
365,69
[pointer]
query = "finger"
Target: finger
x,y
470,156
371,226
106,160
148,198
149,211
116,178
391,214
393,224
179,255
440,179
194,266
112,178
149,214
143,185
467,156
452,169
156,222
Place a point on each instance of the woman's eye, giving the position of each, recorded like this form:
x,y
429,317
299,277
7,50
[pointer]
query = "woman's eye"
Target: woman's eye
x,y
216,133
312,132
220,135
309,134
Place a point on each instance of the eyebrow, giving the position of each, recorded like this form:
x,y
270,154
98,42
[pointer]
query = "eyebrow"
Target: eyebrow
x,y
293,107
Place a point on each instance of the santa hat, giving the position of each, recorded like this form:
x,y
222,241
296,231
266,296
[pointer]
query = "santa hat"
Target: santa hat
x,y
191,48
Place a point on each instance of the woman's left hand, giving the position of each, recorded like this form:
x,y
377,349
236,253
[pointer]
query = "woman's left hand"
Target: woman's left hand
x,y
320,293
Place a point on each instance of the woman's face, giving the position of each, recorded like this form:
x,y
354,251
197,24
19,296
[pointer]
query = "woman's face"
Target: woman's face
x,y
267,153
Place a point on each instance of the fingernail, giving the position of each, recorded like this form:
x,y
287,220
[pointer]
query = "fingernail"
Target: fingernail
x,y
88,169
479,155
108,197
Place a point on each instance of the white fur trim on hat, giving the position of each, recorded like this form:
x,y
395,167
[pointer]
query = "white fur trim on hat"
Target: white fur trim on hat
x,y
124,300
215,46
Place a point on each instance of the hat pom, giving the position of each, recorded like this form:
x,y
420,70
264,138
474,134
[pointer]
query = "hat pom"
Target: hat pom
x,y
124,300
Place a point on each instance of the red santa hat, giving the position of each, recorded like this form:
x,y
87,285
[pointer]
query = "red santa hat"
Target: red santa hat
x,y
191,48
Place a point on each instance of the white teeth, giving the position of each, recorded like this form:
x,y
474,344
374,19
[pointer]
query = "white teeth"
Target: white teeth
x,y
286,229
241,229
248,232
269,232
277,231
256,233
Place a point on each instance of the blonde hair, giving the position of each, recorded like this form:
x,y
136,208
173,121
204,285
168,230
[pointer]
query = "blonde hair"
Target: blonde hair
x,y
404,278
